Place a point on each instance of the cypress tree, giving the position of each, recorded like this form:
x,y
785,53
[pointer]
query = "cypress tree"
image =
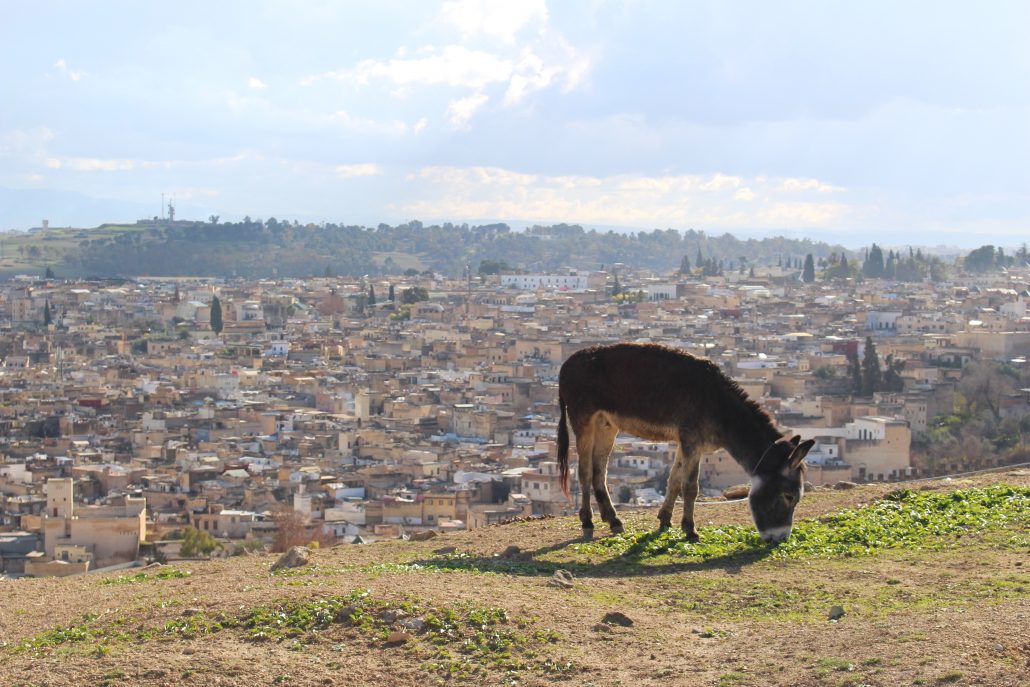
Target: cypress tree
x,y
371,295
47,317
871,375
808,275
216,316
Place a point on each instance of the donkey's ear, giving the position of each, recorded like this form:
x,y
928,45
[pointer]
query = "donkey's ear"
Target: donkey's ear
x,y
794,439
799,453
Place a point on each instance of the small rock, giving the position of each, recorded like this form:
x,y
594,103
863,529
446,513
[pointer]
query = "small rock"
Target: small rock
x,y
809,486
294,558
836,612
617,618
343,615
444,550
392,615
511,552
562,579
999,648
152,566
601,627
413,624
424,536
155,673
191,611
189,651
844,484
397,638
739,491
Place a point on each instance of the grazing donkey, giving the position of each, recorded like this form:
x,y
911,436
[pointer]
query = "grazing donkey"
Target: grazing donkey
x,y
663,394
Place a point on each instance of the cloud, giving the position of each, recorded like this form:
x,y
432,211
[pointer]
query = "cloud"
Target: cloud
x,y
364,125
460,111
792,185
453,65
508,52
25,143
88,164
62,67
420,125
366,169
500,19
256,84
714,200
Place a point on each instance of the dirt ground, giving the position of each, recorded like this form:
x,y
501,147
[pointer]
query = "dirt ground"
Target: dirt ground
x,y
957,616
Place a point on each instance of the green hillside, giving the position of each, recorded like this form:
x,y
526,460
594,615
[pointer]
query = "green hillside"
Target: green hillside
x,y
273,248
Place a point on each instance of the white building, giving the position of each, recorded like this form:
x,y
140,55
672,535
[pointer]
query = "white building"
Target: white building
x,y
534,282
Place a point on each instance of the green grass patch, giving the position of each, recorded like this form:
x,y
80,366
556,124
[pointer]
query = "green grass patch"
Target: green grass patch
x,y
162,574
465,640
906,519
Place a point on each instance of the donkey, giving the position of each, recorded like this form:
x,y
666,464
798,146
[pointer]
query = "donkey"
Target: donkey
x,y
663,394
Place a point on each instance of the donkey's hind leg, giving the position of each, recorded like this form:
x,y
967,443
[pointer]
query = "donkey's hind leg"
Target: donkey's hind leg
x,y
690,473
672,492
584,445
604,439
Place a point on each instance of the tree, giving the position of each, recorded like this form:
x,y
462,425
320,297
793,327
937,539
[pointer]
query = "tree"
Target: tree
x,y
213,219
389,294
414,295
892,380
980,260
49,274
216,316
47,317
808,274
871,375
197,543
371,295
855,372
873,265
685,265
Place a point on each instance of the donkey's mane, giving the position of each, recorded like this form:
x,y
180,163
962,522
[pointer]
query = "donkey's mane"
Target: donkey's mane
x,y
735,391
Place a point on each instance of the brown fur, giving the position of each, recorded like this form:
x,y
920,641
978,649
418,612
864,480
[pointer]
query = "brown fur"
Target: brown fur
x,y
662,394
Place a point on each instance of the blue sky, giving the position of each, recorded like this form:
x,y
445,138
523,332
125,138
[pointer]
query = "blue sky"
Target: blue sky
x,y
898,122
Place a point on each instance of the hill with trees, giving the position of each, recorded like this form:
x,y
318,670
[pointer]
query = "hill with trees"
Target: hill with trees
x,y
255,248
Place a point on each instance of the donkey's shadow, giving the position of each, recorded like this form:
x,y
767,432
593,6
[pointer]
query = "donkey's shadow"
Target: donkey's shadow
x,y
634,562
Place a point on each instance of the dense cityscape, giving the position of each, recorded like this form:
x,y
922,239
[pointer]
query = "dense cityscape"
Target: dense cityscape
x,y
154,419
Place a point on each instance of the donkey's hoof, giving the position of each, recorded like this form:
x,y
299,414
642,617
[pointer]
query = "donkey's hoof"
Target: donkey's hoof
x,y
588,533
617,527
693,537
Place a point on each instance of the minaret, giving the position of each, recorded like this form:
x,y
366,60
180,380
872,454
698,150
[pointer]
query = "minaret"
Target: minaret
x,y
59,497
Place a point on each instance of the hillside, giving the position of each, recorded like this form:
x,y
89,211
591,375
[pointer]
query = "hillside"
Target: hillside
x,y
933,583
266,249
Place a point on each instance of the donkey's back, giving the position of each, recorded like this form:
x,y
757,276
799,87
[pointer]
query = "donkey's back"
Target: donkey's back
x,y
652,384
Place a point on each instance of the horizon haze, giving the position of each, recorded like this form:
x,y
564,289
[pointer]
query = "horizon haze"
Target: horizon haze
x,y
847,124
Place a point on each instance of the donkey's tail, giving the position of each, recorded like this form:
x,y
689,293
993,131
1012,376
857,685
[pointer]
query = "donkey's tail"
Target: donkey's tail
x,y
563,447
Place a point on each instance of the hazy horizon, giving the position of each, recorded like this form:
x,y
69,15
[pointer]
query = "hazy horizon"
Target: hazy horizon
x,y
846,124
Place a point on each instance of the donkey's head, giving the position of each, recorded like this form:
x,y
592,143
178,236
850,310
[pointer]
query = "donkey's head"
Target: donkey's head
x,y
776,487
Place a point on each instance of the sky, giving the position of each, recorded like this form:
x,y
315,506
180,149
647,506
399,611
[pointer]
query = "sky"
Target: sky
x,y
851,122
